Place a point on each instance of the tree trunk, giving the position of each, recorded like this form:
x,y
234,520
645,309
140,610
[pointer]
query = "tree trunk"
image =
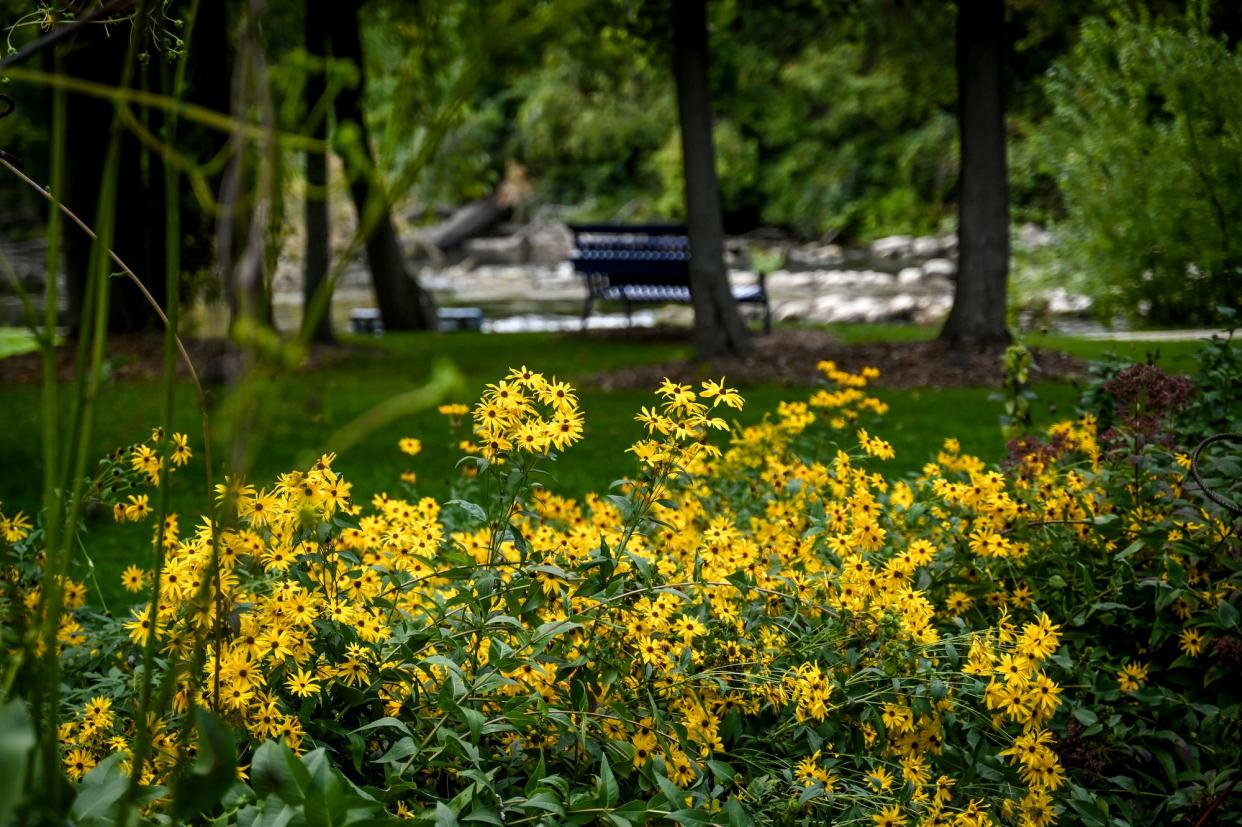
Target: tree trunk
x,y
316,317
139,229
978,314
718,325
403,304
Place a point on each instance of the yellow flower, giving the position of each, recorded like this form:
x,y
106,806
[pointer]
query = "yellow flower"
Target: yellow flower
x,y
958,603
138,508
880,779
181,449
140,626
1192,642
15,528
78,763
1132,676
410,445
302,683
889,817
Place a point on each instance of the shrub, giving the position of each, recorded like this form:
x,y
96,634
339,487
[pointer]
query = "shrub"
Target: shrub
x,y
1144,143
770,631
731,635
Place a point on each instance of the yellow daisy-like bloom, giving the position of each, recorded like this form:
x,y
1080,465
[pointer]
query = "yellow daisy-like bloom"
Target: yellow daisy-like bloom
x,y
880,780
302,683
1191,641
411,446
1132,676
889,817
181,449
16,528
78,763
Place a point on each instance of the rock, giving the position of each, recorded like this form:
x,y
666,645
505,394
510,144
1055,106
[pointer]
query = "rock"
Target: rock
x,y
1061,302
901,307
503,250
548,244
893,246
796,309
926,246
939,267
815,257
1034,237
910,275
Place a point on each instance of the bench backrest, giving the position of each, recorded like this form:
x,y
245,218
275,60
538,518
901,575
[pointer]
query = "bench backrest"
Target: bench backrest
x,y
656,254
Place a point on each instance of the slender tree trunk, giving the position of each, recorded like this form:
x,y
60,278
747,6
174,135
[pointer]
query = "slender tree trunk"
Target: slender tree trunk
x,y
403,304
718,325
248,190
317,227
978,315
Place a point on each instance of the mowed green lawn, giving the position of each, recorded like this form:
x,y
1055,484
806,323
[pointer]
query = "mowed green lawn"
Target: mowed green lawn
x,y
298,413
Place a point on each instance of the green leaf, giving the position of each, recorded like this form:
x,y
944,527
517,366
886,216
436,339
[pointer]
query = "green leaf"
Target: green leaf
x,y
404,748
214,770
1166,761
474,510
736,813
672,794
444,816
1227,614
474,721
99,792
276,771
388,722
545,800
609,791
17,739
326,802
1085,716
622,503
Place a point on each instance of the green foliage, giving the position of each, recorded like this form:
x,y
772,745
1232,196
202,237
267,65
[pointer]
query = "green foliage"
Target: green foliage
x,y
1145,143
838,130
1145,571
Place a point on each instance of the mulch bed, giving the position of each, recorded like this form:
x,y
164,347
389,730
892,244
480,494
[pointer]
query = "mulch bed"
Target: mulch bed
x,y
788,357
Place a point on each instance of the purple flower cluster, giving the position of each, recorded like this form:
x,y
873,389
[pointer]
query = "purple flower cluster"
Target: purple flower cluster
x,y
1146,398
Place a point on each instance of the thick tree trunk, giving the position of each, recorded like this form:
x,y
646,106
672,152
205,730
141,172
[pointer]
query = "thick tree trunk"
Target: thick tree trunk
x,y
978,315
403,304
316,317
139,233
718,325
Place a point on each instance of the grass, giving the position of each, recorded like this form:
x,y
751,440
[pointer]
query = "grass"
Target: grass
x,y
299,412
16,340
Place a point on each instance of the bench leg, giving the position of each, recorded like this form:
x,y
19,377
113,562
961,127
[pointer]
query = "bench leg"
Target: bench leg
x,y
629,313
586,309
767,317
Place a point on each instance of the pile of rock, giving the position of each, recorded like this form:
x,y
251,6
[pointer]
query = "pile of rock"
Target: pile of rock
x,y
897,278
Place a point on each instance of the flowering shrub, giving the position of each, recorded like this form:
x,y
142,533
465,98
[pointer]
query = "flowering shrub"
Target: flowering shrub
x,y
761,629
1105,529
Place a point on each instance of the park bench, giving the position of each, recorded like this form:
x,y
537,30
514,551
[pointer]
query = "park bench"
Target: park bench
x,y
643,263
449,319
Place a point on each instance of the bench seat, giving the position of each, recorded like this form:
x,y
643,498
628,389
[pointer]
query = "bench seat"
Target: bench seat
x,y
645,263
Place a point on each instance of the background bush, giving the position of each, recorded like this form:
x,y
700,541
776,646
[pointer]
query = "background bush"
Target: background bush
x,y
1145,143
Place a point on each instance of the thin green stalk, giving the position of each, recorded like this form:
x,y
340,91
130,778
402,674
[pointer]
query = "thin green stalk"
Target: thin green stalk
x,y
124,95
94,329
172,265
88,390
